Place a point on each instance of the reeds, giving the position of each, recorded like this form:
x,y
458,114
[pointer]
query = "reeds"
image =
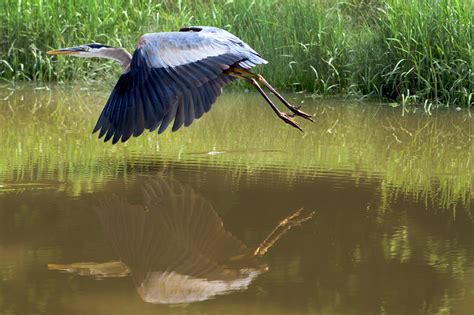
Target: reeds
x,y
382,48
421,49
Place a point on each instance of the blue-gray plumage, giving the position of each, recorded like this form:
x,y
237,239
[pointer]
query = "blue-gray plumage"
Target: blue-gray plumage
x,y
174,77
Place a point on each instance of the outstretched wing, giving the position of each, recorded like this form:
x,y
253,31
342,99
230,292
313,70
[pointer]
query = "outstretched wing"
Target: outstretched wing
x,y
174,75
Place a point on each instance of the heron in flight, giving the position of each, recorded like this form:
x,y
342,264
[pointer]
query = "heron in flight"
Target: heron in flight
x,y
175,75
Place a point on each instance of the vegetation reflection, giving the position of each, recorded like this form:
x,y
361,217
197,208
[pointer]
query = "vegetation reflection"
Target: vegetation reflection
x,y
46,136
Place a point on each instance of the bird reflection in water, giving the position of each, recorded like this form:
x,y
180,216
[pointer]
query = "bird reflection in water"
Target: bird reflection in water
x,y
174,245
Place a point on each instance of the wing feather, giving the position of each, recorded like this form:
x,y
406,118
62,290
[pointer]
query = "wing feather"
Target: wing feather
x,y
179,118
149,97
189,115
109,135
139,123
198,108
168,118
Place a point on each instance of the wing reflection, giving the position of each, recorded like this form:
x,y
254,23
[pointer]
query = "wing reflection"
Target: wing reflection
x,y
174,245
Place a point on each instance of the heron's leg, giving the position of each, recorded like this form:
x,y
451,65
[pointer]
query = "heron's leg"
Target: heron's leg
x,y
261,79
295,109
283,116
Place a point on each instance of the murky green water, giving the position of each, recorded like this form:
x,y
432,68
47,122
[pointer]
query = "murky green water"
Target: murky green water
x,y
91,228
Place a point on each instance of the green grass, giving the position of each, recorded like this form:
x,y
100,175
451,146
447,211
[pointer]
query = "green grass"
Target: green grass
x,y
423,49
420,50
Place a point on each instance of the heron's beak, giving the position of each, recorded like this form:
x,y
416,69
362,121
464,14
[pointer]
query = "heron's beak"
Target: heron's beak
x,y
67,51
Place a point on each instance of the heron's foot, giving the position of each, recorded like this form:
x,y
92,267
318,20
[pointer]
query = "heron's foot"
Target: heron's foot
x,y
296,111
287,119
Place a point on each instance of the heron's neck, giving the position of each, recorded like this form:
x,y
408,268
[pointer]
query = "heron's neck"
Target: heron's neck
x,y
121,55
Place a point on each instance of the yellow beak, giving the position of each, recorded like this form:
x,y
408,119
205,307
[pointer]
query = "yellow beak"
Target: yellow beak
x,y
66,51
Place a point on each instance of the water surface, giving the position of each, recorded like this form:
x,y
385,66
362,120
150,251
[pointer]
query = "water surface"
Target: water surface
x,y
170,224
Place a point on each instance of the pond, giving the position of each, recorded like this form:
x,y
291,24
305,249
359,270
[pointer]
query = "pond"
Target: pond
x,y
370,211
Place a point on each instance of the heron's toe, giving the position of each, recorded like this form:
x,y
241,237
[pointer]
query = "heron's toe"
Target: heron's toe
x,y
287,119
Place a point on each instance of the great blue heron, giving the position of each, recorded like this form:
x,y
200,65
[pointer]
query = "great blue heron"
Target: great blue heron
x,y
174,75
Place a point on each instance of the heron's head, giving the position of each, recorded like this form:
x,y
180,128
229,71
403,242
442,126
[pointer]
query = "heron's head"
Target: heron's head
x,y
88,50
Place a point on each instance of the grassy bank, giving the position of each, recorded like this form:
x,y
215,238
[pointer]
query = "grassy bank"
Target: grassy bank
x,y
414,51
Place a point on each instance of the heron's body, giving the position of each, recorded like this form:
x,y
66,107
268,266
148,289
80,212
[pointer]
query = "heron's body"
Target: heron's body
x,y
173,76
